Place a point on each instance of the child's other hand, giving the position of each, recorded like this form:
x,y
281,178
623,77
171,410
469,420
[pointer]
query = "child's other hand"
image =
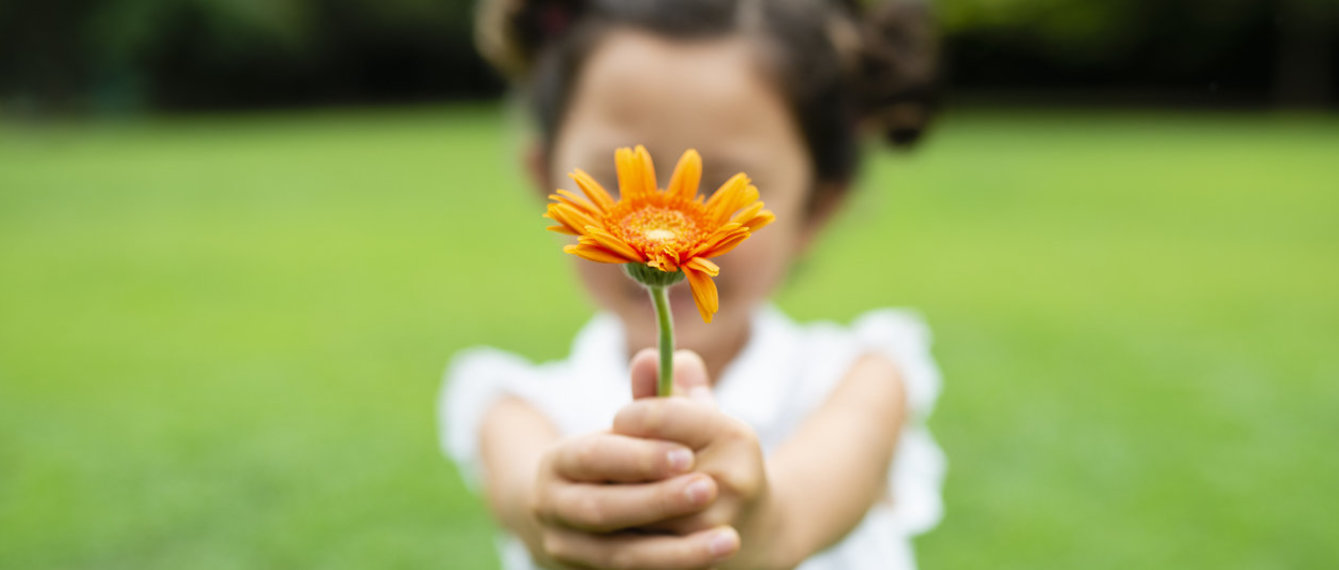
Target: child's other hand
x,y
726,449
590,488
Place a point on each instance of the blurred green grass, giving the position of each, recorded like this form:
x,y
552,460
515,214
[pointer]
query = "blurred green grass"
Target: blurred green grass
x,y
221,337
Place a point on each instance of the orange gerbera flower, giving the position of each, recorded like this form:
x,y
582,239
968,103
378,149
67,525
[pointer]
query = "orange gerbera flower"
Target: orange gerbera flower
x,y
670,230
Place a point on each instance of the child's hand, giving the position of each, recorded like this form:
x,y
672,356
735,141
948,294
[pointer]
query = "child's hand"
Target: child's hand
x,y
591,488
726,449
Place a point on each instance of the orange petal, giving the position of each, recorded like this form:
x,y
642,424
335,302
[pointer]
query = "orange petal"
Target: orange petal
x,y
595,235
704,266
725,245
597,193
763,218
572,199
594,253
574,219
561,230
648,169
663,262
704,292
731,196
687,176
732,202
713,241
631,183
748,213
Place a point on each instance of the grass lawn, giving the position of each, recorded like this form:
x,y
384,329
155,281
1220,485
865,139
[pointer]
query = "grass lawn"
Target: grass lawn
x,y
221,337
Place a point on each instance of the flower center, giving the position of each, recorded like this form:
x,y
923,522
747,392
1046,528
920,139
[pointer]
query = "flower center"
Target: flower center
x,y
652,228
660,235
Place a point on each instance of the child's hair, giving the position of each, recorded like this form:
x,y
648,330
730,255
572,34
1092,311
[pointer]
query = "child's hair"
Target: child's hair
x,y
838,63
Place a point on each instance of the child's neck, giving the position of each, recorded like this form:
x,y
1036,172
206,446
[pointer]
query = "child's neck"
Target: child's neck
x,y
720,354
716,354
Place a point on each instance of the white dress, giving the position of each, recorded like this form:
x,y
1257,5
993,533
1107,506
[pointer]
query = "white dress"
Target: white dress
x,y
784,373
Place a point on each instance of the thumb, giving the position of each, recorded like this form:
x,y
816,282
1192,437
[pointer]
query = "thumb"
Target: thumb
x,y
690,375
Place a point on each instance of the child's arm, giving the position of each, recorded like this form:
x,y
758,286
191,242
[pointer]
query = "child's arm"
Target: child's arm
x,y
813,490
553,494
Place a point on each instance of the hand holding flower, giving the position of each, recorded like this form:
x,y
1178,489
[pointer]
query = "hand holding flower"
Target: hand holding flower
x,y
591,489
725,448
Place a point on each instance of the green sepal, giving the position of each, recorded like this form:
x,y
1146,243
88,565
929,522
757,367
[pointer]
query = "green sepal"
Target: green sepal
x,y
650,276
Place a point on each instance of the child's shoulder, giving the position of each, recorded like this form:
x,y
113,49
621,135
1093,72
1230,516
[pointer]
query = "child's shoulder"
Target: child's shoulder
x,y
828,349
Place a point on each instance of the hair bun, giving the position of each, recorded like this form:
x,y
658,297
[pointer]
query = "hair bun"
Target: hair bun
x,y
510,33
898,83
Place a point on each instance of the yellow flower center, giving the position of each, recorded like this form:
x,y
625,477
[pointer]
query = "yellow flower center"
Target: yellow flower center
x,y
652,228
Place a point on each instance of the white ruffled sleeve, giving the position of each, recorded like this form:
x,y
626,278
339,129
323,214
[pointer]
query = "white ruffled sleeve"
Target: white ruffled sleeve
x,y
917,475
476,379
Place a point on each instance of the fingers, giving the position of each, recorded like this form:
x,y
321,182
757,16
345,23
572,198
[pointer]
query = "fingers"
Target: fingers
x,y
679,420
690,375
605,457
697,550
644,369
607,508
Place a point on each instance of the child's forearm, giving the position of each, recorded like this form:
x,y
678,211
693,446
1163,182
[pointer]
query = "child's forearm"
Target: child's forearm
x,y
825,478
512,440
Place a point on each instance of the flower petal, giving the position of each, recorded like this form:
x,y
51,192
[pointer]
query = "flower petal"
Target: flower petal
x,y
573,218
704,292
593,253
725,245
597,193
701,264
732,203
713,242
648,168
747,214
631,167
575,201
763,218
735,184
730,197
687,176
597,236
663,261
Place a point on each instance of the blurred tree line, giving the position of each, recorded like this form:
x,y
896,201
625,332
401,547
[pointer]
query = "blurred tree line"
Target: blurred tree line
x,y
127,55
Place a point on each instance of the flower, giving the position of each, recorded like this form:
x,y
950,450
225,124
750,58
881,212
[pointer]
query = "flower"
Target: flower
x,y
670,230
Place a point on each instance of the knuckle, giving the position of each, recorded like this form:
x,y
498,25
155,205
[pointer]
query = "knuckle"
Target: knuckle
x,y
540,502
628,419
741,481
554,546
548,459
589,512
652,460
619,559
622,559
538,509
584,451
717,515
739,431
670,498
652,416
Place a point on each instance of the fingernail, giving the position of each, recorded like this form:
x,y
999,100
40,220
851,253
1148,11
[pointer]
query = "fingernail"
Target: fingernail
x,y
698,491
723,542
680,459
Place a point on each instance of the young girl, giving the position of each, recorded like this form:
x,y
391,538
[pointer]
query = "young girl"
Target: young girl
x,y
786,445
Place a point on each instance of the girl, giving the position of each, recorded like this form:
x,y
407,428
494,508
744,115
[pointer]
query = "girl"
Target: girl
x,y
794,445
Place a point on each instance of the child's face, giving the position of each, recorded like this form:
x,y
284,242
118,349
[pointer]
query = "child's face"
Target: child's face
x,y
637,88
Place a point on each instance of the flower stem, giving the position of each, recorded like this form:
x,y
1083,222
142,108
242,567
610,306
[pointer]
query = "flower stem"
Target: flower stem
x,y
660,297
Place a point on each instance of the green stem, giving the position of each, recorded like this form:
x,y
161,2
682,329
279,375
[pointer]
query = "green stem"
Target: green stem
x,y
660,297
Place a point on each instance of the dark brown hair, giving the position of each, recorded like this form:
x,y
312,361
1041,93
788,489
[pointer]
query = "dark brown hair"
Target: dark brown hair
x,y
840,65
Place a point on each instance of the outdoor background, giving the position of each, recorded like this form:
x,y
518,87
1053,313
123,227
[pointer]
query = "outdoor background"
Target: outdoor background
x,y
240,240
